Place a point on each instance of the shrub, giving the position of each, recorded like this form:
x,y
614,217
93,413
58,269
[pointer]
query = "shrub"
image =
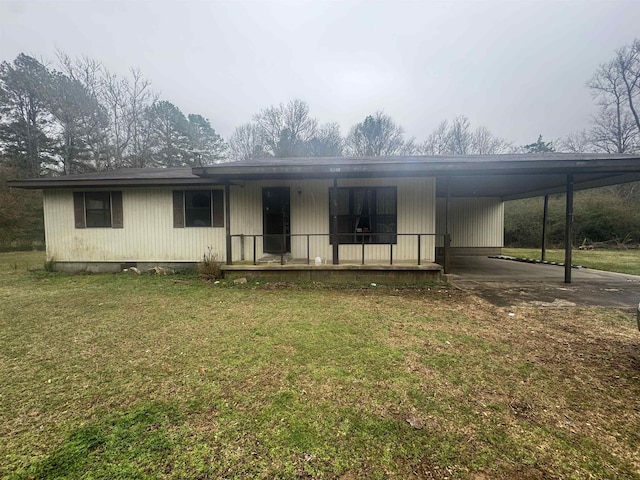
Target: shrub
x,y
600,215
210,267
50,265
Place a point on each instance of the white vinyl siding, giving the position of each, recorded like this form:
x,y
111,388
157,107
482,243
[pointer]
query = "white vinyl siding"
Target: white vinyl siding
x,y
310,214
475,222
147,234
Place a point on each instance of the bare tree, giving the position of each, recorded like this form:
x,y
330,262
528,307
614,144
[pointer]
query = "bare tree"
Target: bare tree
x,y
577,142
114,99
327,142
247,142
483,142
139,98
89,73
458,139
286,128
378,135
127,101
437,142
612,133
84,70
613,127
628,64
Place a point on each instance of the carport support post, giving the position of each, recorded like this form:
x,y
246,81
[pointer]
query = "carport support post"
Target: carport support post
x,y
334,220
568,230
545,212
447,229
227,220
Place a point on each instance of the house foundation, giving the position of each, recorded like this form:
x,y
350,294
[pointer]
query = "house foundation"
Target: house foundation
x,y
343,273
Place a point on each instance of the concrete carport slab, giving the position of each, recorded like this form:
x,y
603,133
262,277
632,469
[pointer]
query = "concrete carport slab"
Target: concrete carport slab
x,y
508,283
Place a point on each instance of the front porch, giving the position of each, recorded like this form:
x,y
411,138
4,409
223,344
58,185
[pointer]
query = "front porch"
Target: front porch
x,y
345,272
366,261
417,249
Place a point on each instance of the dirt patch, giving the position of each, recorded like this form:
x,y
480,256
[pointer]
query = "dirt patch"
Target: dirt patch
x,y
507,294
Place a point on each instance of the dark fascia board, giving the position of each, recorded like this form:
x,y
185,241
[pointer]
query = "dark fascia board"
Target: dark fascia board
x,y
58,182
417,159
434,166
130,177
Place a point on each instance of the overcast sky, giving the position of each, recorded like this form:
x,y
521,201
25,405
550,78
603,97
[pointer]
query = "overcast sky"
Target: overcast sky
x,y
516,67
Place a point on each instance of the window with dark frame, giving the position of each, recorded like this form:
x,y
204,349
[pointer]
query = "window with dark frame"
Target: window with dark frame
x,y
198,208
99,209
364,214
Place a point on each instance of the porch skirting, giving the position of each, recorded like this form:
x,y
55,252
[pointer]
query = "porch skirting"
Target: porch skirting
x,y
343,273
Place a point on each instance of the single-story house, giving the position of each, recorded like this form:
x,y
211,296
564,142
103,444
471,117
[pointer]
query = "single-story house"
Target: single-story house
x,y
307,215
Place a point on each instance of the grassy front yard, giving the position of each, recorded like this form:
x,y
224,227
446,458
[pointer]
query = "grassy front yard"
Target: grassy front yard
x,y
117,376
622,261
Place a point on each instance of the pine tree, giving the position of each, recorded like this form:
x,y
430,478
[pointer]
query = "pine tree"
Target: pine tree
x,y
81,142
170,135
205,145
539,147
25,127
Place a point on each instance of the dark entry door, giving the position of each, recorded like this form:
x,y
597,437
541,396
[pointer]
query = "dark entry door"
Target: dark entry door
x,y
276,219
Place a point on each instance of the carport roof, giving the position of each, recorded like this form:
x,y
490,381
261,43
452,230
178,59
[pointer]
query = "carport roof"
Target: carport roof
x,y
507,176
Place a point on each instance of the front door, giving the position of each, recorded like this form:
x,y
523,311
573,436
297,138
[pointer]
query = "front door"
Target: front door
x,y
276,221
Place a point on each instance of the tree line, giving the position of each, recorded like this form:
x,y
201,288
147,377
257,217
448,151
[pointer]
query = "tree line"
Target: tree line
x,y
288,130
79,117
75,116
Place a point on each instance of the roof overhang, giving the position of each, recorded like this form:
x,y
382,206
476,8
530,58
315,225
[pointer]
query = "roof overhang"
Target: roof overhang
x,y
513,187
126,177
506,176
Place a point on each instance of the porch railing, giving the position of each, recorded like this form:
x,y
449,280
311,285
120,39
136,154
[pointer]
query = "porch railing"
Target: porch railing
x,y
364,240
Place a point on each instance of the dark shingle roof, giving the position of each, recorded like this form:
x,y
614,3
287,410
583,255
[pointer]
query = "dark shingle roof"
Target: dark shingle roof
x,y
507,176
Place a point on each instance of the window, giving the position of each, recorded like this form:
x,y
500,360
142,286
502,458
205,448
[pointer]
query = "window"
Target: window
x,y
364,214
198,208
97,209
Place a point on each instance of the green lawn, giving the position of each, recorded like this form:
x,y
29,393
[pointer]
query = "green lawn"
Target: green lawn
x,y
622,261
118,376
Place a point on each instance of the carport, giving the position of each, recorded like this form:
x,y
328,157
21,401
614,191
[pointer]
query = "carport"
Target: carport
x,y
518,176
508,283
